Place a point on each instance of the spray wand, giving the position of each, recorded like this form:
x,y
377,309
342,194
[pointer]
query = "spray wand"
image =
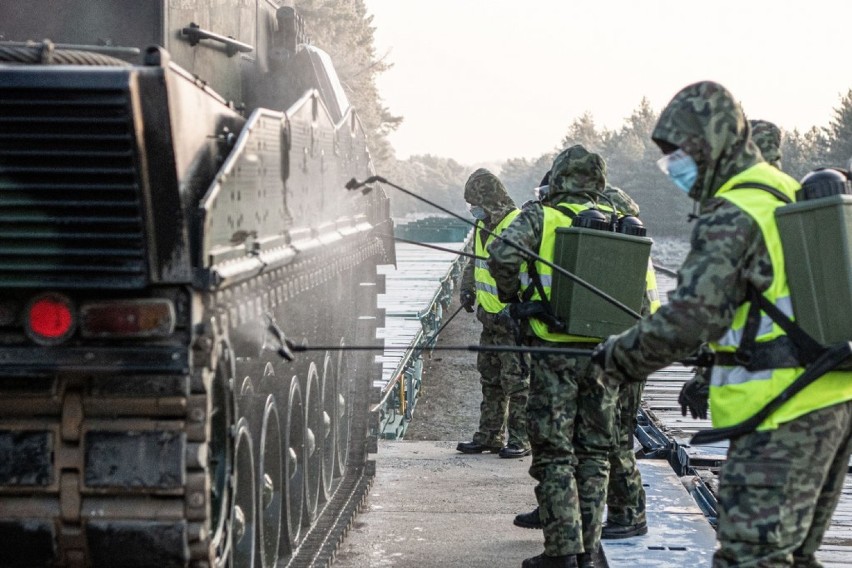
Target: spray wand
x,y
354,184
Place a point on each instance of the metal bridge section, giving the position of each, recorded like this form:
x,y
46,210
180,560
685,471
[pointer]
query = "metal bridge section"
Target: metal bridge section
x,y
432,506
417,295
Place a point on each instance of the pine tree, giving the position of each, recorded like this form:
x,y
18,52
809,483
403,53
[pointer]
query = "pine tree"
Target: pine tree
x,y
839,133
583,131
344,30
803,152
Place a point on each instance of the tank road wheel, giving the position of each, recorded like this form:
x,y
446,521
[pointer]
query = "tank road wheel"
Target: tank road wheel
x,y
243,514
313,444
247,397
221,452
294,469
270,484
343,411
329,417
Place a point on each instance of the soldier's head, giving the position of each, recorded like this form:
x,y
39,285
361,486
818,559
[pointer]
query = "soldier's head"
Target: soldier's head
x,y
575,171
705,138
622,202
484,190
767,137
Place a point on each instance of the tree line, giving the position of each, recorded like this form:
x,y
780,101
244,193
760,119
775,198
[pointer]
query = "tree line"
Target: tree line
x,y
345,30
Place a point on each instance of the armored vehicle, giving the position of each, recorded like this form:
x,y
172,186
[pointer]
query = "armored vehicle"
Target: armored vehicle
x,y
172,204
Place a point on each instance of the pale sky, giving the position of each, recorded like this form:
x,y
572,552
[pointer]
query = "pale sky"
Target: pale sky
x,y
486,80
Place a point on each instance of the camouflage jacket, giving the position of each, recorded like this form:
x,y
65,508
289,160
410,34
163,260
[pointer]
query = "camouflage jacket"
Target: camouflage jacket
x,y
727,249
574,178
767,137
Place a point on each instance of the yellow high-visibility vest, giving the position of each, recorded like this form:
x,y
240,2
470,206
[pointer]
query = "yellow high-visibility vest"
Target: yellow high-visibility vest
x,y
553,219
736,393
486,287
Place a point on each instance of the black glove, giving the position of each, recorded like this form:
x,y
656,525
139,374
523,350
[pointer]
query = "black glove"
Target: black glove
x,y
704,357
508,297
467,299
693,396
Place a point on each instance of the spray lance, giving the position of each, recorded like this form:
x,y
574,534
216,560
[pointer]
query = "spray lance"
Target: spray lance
x,y
354,184
288,348
701,359
828,360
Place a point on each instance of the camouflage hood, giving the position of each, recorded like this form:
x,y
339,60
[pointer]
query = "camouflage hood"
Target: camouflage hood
x,y
623,203
706,122
576,171
484,189
767,137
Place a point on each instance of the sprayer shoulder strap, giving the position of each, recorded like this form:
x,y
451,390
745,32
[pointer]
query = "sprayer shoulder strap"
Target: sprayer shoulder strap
x,y
827,361
764,187
535,279
536,286
808,349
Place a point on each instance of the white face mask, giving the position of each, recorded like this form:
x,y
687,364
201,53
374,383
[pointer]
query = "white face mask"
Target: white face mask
x,y
681,169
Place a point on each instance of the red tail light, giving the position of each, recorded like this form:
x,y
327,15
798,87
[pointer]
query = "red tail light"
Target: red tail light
x,y
50,319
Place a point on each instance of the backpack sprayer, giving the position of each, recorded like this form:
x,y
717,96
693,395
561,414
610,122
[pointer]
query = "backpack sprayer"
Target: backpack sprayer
x,y
288,348
816,236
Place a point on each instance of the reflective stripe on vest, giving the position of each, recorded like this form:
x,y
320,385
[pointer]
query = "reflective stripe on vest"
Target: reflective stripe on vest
x,y
651,293
553,218
735,392
486,287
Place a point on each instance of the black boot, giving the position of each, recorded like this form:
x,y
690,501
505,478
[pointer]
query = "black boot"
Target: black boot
x,y
476,448
586,560
530,520
615,530
513,451
544,561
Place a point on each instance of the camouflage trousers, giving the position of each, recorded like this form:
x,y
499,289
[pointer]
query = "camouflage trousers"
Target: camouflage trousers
x,y
625,497
570,420
779,488
505,386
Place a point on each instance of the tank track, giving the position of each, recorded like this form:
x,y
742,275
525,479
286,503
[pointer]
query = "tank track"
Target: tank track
x,y
98,464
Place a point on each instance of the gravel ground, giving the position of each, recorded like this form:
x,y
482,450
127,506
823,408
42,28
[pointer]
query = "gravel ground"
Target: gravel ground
x,y
448,405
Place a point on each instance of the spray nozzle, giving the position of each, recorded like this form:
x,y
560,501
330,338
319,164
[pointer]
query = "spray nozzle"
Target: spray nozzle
x,y
353,183
286,347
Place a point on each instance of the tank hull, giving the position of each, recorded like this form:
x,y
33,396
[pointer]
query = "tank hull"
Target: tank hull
x,y
165,426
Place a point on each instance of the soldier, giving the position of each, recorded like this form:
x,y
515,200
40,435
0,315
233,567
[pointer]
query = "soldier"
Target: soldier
x,y
780,483
504,376
767,137
625,496
570,412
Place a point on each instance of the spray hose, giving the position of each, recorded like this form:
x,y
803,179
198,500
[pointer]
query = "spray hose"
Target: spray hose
x,y
354,184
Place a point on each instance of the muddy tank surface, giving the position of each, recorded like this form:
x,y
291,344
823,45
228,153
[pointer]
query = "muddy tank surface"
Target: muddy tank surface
x,y
172,202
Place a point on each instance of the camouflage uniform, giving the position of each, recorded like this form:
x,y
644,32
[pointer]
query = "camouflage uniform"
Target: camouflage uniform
x,y
504,376
767,137
780,484
570,412
625,497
